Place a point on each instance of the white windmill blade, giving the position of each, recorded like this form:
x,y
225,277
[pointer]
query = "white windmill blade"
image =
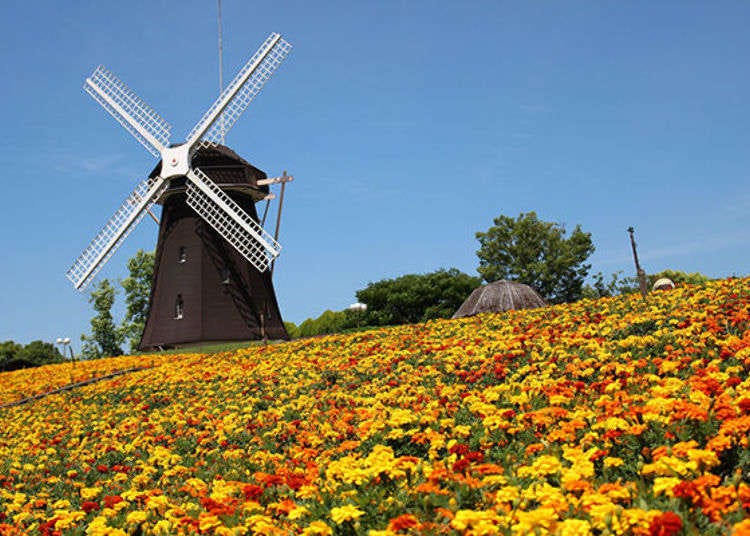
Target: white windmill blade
x,y
223,113
230,221
129,110
101,248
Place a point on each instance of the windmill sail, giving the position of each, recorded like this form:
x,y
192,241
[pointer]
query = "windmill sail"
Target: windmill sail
x,y
236,97
129,110
230,221
103,246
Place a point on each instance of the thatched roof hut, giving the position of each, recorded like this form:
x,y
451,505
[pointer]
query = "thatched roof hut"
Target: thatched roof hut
x,y
500,296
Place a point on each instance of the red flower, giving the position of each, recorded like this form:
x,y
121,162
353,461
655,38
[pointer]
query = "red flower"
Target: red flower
x,y
252,492
744,405
403,522
89,506
687,490
111,500
666,524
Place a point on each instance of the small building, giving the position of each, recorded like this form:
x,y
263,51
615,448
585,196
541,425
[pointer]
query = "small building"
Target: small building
x,y
500,296
663,284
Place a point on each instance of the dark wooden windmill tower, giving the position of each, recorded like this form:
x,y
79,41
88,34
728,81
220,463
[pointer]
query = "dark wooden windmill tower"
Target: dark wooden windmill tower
x,y
211,277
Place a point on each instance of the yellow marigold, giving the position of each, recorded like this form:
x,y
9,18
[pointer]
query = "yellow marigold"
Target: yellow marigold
x,y
206,522
665,485
535,521
507,494
400,417
574,527
98,527
742,528
89,493
136,517
160,503
704,458
612,461
542,466
162,528
347,512
67,520
480,522
669,466
317,528
298,512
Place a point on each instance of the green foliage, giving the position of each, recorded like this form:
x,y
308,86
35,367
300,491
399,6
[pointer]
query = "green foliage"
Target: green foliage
x,y
137,294
616,285
328,322
599,288
15,356
291,329
105,338
536,253
416,297
679,277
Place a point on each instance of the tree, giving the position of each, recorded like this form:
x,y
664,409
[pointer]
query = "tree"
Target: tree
x,y
416,297
15,356
137,295
105,338
537,253
328,322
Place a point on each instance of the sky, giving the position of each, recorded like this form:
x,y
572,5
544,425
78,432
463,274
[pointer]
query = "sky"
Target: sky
x,y
408,126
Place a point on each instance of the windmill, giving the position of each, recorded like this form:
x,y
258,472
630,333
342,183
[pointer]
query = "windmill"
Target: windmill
x,y
211,277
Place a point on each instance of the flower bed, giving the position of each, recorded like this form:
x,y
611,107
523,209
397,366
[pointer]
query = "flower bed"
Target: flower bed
x,y
28,382
614,416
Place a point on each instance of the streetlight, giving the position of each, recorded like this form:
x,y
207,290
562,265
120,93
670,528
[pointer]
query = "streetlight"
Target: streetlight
x,y
65,342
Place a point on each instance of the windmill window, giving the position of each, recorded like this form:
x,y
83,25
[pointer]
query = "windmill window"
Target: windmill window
x,y
179,307
183,254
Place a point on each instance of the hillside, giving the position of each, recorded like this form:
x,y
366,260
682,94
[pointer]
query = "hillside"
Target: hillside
x,y
614,416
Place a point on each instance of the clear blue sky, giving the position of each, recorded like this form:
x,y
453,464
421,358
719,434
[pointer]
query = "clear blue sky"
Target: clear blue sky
x,y
409,126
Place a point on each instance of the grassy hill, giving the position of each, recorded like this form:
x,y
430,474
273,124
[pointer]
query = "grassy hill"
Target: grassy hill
x,y
615,416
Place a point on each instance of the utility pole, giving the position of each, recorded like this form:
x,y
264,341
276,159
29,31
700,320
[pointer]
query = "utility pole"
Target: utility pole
x,y
638,269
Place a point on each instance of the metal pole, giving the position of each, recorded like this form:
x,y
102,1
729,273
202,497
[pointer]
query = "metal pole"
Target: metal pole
x,y
278,216
641,273
221,66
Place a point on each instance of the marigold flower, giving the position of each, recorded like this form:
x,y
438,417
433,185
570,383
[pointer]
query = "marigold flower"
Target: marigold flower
x,y
666,524
348,512
317,528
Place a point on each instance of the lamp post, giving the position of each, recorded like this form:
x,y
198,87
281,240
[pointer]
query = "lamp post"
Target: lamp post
x,y
65,343
638,270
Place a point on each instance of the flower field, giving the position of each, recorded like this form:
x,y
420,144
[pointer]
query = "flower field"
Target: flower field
x,y
615,416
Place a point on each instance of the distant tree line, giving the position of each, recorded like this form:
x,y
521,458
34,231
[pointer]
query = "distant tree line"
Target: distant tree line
x,y
618,284
526,249
14,356
404,300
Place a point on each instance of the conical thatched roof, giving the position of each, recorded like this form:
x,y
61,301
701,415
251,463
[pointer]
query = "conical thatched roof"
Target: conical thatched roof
x,y
500,296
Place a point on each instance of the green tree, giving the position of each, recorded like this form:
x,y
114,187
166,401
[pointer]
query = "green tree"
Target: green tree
x,y
15,356
41,353
416,297
328,322
8,352
137,295
537,253
291,329
105,338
